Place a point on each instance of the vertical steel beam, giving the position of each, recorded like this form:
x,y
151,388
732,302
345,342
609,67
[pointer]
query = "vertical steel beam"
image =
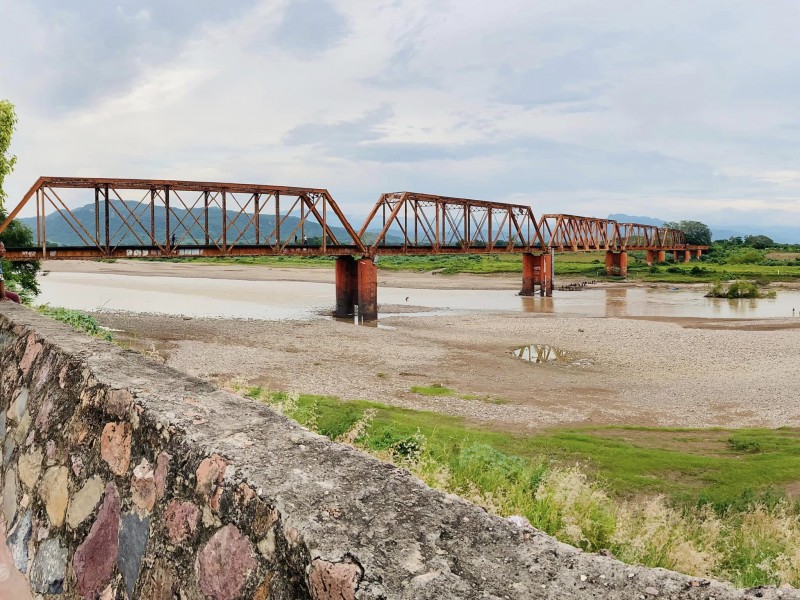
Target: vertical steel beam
x,y
205,215
39,220
224,222
168,243
153,217
256,198
96,215
278,218
107,204
324,224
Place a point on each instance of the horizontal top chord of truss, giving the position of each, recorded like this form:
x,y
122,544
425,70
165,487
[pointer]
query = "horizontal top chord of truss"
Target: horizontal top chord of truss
x,y
413,223
187,218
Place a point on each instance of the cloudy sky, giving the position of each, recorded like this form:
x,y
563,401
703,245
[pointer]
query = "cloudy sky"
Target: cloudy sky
x,y
667,108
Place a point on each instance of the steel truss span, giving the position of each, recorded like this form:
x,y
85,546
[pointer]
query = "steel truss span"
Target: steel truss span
x,y
148,218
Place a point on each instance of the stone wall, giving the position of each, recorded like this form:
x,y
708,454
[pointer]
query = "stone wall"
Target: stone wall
x,y
122,478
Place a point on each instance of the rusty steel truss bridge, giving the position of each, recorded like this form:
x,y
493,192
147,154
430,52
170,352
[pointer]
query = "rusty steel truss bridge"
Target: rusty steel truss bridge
x,y
147,218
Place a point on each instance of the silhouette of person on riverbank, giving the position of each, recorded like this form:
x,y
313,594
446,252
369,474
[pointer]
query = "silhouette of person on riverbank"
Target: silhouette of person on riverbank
x,y
173,240
305,240
4,293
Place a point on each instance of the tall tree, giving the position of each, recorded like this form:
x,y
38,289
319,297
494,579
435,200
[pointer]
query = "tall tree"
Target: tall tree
x,y
20,276
8,121
696,232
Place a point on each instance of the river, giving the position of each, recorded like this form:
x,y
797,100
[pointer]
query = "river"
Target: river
x,y
287,300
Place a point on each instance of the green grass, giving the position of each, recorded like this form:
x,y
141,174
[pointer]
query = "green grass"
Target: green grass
x,y
435,389
706,502
585,265
77,320
709,466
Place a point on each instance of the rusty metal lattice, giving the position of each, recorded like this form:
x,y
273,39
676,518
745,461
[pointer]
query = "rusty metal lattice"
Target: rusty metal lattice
x,y
190,218
186,218
412,223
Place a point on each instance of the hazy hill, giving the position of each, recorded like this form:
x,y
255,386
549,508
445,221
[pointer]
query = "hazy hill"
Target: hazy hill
x,y
780,234
59,231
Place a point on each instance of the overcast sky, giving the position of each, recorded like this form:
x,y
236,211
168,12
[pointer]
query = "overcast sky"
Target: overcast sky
x,y
673,109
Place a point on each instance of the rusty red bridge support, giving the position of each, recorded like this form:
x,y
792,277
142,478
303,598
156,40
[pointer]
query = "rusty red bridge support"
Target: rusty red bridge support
x,y
356,285
537,272
617,263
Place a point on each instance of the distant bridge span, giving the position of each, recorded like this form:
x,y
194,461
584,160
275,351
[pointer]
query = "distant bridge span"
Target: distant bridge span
x,y
190,219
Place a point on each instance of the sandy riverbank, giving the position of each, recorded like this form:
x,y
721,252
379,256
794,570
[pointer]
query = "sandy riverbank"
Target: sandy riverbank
x,y
676,372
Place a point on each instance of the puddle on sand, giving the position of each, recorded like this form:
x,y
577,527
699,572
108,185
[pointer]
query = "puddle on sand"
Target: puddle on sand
x,y
545,353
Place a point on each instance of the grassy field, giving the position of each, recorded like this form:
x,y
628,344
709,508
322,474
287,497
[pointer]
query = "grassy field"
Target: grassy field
x,y
706,502
581,265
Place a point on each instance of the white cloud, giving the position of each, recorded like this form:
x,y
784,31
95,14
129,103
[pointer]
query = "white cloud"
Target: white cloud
x,y
672,109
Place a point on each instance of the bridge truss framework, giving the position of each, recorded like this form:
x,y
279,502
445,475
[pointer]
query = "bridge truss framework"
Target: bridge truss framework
x,y
188,219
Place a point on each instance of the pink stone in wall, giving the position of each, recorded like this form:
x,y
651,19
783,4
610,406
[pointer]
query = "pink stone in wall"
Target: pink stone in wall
x,y
333,581
32,350
115,447
181,519
210,474
162,470
94,560
143,486
224,564
43,416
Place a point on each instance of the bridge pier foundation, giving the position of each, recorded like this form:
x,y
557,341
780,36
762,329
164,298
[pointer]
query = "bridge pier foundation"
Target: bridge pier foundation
x,y
367,289
537,271
346,286
687,256
356,284
650,257
617,263
662,256
699,252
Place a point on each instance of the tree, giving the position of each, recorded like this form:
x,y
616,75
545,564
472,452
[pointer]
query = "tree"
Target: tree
x,y
696,232
19,275
8,120
759,242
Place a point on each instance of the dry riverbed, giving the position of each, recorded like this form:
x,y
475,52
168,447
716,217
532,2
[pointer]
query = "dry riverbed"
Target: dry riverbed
x,y
668,372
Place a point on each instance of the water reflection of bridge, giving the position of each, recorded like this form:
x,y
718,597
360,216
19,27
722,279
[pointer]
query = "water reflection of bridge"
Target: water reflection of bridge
x,y
189,219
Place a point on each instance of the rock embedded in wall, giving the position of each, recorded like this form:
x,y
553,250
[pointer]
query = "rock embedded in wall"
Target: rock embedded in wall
x,y
115,447
95,559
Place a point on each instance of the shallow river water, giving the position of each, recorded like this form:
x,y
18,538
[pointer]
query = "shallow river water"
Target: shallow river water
x,y
278,300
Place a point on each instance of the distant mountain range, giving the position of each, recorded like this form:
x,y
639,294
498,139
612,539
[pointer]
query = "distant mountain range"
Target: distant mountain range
x,y
186,225
780,234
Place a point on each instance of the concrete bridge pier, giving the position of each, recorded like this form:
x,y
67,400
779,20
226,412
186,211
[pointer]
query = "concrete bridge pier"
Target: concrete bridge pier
x,y
617,263
687,256
662,256
699,253
651,257
537,271
356,285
